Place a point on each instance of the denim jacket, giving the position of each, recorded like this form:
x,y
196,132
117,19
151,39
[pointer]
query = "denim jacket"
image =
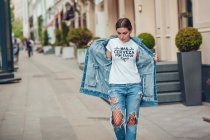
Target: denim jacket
x,y
95,80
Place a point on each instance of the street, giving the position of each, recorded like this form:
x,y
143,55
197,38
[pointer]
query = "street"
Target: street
x,y
46,105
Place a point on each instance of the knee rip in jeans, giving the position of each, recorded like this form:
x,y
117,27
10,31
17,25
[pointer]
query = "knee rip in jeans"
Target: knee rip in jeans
x,y
113,100
117,116
132,119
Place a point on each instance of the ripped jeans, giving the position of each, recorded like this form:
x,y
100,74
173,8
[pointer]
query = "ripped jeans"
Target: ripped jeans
x,y
125,96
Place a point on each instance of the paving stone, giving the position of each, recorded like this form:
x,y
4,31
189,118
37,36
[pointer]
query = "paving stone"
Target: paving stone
x,y
13,137
56,128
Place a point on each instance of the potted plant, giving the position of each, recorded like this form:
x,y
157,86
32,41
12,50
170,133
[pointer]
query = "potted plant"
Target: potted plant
x,y
80,36
148,40
67,50
188,41
46,44
58,42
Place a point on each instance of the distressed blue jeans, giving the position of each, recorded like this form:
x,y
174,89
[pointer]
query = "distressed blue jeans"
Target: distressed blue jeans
x,y
125,97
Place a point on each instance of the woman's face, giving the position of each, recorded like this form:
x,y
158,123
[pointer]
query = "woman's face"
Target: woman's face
x,y
124,34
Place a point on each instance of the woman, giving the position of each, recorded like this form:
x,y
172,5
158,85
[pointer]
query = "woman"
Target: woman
x,y
131,63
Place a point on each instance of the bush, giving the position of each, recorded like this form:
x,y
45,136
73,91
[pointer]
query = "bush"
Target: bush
x,y
46,38
65,30
40,21
148,40
188,39
96,38
79,36
58,40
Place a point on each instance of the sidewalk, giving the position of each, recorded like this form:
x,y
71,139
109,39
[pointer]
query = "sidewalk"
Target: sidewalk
x,y
47,105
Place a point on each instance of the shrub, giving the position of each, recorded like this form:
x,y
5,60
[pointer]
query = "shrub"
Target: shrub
x,y
148,40
58,40
40,21
79,36
188,39
65,30
96,38
46,38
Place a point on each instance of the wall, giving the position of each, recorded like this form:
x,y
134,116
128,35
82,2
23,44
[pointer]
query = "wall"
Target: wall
x,y
201,20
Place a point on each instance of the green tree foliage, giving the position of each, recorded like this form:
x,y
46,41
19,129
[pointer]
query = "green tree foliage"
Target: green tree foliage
x,y
46,38
12,14
65,30
17,28
79,36
40,21
148,40
188,39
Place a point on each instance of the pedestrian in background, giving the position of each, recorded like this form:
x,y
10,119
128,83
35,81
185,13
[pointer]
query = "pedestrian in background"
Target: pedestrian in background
x,y
32,46
129,68
28,47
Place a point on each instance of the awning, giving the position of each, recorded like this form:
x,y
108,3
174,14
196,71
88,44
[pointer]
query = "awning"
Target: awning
x,y
51,23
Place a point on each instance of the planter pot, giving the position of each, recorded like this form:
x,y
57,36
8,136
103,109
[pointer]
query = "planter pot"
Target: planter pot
x,y
189,65
68,52
46,48
205,86
152,50
81,55
58,50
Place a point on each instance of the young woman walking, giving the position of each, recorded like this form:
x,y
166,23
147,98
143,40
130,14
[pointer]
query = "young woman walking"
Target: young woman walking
x,y
125,75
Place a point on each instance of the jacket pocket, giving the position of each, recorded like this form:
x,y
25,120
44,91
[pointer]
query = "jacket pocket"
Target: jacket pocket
x,y
147,84
91,75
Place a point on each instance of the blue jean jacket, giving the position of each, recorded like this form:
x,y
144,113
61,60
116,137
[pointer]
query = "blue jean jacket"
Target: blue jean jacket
x,y
95,80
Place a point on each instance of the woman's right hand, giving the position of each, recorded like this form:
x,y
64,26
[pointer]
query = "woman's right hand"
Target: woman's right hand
x,y
89,43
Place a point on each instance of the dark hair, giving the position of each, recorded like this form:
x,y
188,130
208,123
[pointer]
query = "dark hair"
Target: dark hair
x,y
124,22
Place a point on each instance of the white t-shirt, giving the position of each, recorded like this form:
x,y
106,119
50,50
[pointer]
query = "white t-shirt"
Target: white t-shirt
x,y
124,69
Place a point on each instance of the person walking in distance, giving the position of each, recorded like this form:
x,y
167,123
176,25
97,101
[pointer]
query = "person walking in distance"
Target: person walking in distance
x,y
121,69
32,46
28,45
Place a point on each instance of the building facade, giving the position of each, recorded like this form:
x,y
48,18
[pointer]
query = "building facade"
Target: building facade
x,y
161,18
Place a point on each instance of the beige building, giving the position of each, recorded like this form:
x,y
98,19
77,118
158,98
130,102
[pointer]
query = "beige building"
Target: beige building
x,y
161,18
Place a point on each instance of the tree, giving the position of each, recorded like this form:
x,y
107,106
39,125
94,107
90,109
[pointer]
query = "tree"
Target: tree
x,y
17,28
12,14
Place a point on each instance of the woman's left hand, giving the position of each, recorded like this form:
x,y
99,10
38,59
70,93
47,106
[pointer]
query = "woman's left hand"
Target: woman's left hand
x,y
156,58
